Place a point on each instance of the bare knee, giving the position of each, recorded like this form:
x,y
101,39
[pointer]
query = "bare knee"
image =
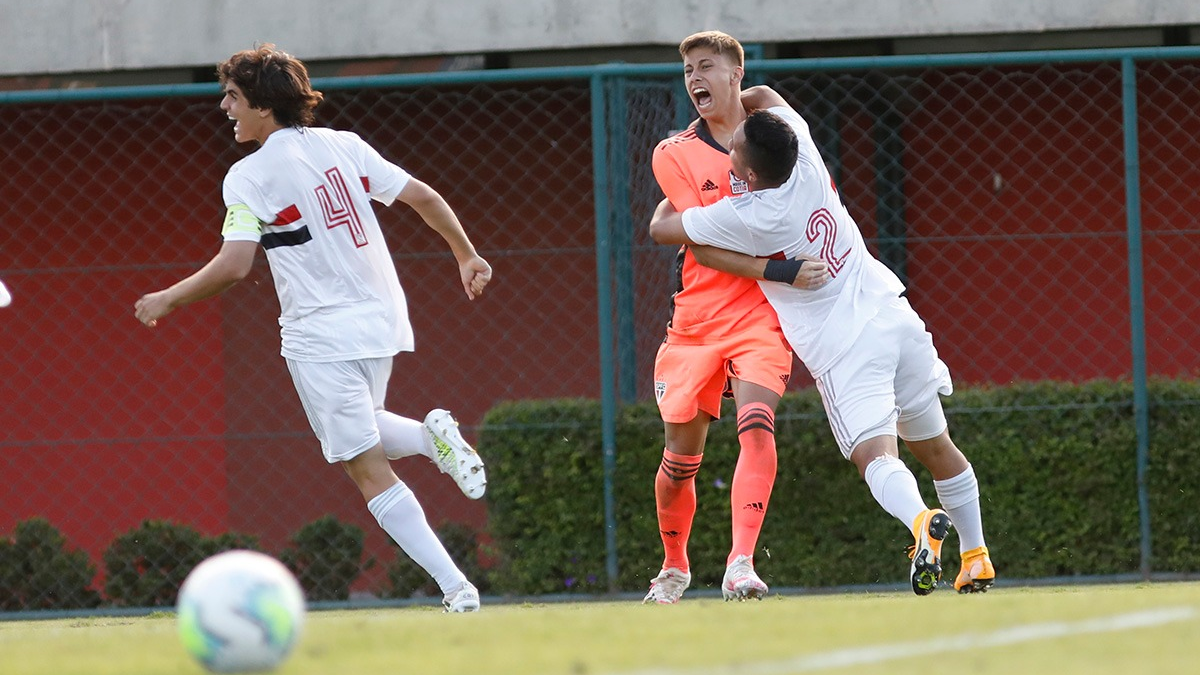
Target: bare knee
x,y
939,454
688,438
371,472
871,449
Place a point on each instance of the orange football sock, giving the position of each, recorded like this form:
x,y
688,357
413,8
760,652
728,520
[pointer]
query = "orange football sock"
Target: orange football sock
x,y
675,494
753,477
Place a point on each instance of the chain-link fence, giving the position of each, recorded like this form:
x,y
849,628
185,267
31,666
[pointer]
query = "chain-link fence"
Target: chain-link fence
x,y
994,186
995,193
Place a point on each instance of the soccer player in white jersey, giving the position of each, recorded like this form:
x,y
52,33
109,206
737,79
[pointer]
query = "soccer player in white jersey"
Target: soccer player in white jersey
x,y
872,359
304,196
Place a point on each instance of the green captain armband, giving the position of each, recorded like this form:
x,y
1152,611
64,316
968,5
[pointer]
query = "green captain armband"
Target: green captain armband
x,y
240,220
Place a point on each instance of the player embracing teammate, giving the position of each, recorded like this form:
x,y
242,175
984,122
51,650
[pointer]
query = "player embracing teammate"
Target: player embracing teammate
x,y
723,339
873,361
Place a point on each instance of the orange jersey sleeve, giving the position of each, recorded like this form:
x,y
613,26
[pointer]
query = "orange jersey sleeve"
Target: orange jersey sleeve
x,y
673,177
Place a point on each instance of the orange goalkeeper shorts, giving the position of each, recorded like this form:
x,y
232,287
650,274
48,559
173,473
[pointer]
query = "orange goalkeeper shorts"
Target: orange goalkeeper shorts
x,y
691,378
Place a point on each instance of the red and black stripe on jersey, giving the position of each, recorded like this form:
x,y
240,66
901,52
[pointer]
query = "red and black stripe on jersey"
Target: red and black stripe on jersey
x,y
295,237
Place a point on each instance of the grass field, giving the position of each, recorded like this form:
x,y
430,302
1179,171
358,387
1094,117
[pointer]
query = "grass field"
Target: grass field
x,y
1143,629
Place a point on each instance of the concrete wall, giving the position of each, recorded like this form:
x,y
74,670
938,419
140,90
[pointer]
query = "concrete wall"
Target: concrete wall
x,y
40,37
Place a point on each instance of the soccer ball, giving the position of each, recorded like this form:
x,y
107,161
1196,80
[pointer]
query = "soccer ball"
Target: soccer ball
x,y
240,611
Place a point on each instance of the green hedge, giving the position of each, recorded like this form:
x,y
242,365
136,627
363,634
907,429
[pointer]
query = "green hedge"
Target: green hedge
x,y
326,557
145,566
38,570
1056,464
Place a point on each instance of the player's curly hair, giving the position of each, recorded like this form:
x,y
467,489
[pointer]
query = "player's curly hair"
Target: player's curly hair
x,y
722,44
771,147
272,78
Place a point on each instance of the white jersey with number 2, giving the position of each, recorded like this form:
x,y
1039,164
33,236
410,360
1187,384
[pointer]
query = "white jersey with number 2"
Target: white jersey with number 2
x,y
309,191
803,216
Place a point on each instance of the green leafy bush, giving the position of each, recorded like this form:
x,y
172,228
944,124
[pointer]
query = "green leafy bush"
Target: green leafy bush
x,y
326,557
147,565
406,579
1056,464
38,572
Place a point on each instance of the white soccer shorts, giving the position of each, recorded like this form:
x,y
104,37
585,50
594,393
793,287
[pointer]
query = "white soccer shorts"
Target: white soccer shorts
x,y
887,383
340,399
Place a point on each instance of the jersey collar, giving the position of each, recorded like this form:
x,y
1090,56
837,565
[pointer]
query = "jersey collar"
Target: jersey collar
x,y
705,135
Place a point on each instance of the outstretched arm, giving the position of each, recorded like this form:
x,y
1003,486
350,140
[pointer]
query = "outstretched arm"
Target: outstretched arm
x,y
231,264
474,271
666,227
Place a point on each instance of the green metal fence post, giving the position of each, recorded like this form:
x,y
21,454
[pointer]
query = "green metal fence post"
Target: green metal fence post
x,y
604,301
1137,309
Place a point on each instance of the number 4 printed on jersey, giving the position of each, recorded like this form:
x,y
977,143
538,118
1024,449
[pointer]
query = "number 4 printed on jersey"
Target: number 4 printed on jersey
x,y
338,208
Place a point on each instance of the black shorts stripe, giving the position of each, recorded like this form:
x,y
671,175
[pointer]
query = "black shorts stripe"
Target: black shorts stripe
x,y
290,238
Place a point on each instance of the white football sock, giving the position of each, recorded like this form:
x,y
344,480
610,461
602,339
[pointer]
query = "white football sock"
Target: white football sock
x,y
960,497
401,436
895,488
398,513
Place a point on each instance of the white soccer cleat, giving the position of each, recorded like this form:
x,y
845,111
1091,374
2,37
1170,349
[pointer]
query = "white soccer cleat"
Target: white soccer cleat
x,y
741,582
668,587
465,599
454,455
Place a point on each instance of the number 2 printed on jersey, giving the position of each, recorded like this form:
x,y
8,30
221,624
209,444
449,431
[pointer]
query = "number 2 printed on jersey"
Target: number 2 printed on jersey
x,y
823,226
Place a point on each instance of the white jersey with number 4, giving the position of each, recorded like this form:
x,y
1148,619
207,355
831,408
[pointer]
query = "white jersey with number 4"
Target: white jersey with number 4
x,y
804,216
309,191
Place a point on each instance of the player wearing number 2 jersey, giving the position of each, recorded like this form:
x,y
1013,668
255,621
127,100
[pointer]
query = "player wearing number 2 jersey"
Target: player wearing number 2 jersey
x,y
723,335
872,359
304,196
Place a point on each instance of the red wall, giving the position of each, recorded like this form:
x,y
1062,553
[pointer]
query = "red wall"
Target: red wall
x,y
1041,260
1027,278
105,423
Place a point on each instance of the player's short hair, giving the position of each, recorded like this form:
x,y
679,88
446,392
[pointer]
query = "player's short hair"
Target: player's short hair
x,y
715,40
771,146
272,78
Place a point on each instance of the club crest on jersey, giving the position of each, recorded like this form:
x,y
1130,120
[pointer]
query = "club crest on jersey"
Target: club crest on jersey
x,y
660,388
736,185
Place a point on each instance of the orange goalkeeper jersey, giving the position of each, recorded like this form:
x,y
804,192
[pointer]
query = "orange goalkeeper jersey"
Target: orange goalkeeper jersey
x,y
693,170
